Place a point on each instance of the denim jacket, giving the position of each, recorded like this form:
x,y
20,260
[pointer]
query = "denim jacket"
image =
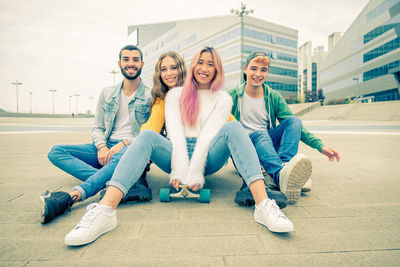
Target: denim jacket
x,y
107,108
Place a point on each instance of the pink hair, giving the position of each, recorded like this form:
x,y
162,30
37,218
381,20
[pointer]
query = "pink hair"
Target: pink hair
x,y
189,100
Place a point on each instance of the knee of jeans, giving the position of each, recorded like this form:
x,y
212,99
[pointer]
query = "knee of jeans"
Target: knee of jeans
x,y
295,122
54,150
146,134
233,125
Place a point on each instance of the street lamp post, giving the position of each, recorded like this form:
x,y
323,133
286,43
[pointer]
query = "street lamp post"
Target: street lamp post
x,y
113,72
76,102
52,91
243,11
70,99
16,86
356,80
30,101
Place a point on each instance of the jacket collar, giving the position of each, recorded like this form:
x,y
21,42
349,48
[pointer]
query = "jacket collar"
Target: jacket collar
x,y
240,89
139,91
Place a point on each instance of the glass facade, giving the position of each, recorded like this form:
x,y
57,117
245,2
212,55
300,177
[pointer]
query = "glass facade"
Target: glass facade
x,y
269,38
379,31
383,70
381,50
314,77
282,71
380,9
282,86
273,54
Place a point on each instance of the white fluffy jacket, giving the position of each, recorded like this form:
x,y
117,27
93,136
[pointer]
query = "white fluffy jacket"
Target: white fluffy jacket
x,y
212,116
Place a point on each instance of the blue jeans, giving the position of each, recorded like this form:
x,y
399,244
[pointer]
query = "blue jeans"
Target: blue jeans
x,y
232,139
277,146
81,162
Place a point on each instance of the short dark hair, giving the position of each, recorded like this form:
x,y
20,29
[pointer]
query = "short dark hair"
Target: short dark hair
x,y
131,47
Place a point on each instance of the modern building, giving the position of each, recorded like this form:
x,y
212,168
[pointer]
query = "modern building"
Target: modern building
x,y
365,63
309,69
223,33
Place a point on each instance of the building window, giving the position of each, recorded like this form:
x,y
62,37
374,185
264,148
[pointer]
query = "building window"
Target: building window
x,y
383,49
377,72
282,86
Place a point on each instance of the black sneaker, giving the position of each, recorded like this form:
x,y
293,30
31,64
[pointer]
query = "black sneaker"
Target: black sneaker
x,y
245,198
55,204
139,192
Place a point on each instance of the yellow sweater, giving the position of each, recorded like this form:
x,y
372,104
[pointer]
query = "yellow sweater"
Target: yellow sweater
x,y
157,118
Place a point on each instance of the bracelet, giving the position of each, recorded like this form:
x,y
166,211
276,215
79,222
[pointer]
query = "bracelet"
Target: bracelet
x,y
123,142
100,146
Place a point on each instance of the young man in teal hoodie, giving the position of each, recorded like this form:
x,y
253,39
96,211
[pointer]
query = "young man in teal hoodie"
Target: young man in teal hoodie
x,y
258,107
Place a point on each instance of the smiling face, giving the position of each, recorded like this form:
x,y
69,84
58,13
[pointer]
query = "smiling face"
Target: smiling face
x,y
256,72
169,72
130,64
204,70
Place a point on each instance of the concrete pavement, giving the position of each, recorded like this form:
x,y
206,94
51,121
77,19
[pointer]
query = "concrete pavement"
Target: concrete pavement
x,y
351,217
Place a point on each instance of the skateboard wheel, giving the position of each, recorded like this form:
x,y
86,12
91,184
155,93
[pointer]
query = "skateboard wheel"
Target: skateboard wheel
x,y
204,196
164,195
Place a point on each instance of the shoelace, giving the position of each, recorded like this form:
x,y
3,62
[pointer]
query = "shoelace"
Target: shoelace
x,y
89,216
71,202
273,207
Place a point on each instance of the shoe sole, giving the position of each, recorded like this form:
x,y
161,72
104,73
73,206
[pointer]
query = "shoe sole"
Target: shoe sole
x,y
297,179
273,229
93,237
43,208
305,189
141,197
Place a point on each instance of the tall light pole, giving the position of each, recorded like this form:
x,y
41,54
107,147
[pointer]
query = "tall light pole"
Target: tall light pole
x,y
113,72
30,101
52,91
356,80
76,102
91,101
243,11
70,99
16,86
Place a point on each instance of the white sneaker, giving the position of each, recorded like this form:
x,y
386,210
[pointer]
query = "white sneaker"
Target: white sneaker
x,y
96,221
307,186
294,175
268,214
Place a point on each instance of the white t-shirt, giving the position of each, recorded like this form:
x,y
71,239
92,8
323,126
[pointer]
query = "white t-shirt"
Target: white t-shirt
x,y
253,115
122,126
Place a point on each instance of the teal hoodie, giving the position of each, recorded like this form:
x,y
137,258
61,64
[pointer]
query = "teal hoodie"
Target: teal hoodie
x,y
277,108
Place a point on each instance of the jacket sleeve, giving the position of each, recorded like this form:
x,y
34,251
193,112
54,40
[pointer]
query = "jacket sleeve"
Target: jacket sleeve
x,y
307,137
219,116
173,121
157,117
99,126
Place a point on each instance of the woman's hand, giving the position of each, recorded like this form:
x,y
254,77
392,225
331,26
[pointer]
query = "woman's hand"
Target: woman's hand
x,y
175,183
195,187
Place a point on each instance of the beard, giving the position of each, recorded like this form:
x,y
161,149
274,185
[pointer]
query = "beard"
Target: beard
x,y
128,77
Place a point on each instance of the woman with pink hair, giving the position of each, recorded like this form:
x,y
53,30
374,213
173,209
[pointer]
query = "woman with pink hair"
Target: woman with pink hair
x,y
200,141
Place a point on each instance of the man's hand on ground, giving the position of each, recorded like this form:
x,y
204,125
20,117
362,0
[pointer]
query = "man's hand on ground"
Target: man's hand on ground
x,y
330,153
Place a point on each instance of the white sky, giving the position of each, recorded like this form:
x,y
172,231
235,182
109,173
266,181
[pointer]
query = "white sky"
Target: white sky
x,y
71,45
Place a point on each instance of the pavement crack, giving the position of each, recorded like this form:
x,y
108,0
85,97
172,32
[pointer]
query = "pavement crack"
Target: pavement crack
x,y
83,252
224,260
15,197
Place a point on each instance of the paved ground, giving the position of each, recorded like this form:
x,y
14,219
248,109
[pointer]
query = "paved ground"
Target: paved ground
x,y
351,217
